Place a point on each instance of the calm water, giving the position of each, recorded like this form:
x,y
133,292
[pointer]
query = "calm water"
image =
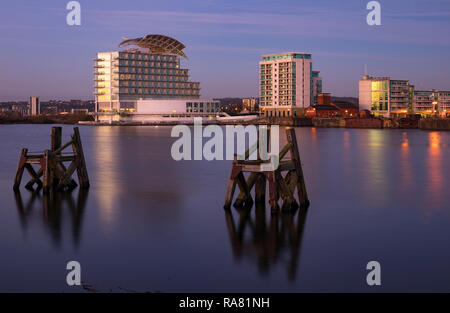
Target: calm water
x,y
149,223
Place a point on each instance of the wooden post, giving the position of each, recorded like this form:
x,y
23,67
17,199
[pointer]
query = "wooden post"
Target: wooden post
x,y
273,192
82,173
231,185
20,168
260,189
295,157
45,164
56,138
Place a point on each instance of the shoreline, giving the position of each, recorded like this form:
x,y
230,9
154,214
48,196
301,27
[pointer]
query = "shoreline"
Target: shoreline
x,y
440,124
319,122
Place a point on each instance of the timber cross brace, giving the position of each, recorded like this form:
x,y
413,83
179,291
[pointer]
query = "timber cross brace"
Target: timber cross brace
x,y
56,176
279,186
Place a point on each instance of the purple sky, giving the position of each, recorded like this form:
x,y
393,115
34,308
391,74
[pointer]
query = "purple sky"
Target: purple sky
x,y
42,55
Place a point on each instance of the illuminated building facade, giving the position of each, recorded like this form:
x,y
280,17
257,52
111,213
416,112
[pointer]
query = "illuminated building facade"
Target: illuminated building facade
x,y
432,102
146,80
286,84
385,96
443,102
250,104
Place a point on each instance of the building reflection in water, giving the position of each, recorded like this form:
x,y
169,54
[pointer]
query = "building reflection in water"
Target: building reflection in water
x,y
53,209
270,243
108,183
405,163
435,191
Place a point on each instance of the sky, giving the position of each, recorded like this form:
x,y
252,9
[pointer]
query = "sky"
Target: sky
x,y
42,55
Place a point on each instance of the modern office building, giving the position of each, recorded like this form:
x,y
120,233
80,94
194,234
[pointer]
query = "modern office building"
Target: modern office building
x,y
317,85
147,79
35,106
286,84
385,96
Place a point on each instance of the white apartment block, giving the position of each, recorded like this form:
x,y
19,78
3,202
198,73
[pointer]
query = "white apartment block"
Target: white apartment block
x,y
286,87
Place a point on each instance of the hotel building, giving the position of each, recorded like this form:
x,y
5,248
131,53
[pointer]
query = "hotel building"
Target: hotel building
x,y
286,84
385,96
147,80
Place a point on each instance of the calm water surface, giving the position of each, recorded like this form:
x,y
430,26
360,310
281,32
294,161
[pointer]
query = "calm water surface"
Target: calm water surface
x,y
149,223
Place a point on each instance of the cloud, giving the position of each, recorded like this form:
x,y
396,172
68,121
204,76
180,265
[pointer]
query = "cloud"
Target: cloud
x,y
313,23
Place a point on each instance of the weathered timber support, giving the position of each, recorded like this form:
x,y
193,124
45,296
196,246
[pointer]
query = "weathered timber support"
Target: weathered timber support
x,y
279,185
83,177
55,174
20,169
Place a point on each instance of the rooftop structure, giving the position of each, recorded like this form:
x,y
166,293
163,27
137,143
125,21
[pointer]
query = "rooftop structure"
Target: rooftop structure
x,y
158,44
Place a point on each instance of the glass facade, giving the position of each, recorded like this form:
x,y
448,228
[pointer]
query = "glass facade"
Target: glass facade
x,y
380,95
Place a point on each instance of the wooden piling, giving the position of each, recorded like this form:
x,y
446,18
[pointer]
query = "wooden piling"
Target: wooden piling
x,y
83,177
279,186
20,169
55,175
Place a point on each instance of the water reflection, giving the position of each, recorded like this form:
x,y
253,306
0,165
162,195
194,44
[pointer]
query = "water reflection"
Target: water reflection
x,y
435,192
405,163
52,206
276,242
108,183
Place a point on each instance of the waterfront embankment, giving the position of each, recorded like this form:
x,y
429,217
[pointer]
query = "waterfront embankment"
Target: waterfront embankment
x,y
44,119
370,122
324,122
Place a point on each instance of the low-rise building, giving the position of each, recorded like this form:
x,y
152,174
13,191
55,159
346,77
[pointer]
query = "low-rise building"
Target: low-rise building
x,y
345,108
322,110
